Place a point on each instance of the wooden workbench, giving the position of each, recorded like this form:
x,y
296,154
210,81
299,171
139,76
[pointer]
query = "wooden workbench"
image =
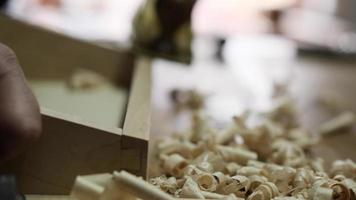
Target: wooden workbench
x,y
312,77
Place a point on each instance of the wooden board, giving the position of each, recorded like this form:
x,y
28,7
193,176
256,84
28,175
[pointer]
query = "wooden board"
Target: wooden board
x,y
69,147
46,197
138,114
79,143
83,103
138,120
45,54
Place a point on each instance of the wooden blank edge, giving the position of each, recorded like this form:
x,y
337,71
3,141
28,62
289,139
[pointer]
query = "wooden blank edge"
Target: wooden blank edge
x,y
57,55
138,115
134,143
65,151
134,156
78,120
50,197
47,197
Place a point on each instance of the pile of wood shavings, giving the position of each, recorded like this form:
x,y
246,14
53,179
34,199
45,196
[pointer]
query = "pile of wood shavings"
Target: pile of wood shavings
x,y
267,161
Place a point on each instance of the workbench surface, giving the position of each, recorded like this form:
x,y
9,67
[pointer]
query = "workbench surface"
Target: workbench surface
x,y
312,77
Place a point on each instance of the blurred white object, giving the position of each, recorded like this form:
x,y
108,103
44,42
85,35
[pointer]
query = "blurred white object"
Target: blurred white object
x,y
325,6
258,62
95,20
229,17
319,29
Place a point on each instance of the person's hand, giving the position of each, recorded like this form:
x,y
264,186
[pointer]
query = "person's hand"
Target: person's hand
x,y
20,119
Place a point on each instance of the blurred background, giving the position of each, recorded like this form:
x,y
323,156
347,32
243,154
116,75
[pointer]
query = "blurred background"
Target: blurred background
x,y
234,51
304,21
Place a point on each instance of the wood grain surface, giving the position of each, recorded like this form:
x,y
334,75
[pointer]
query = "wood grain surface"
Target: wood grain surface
x,y
71,144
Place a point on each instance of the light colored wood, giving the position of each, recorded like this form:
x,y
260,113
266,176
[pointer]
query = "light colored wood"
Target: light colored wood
x,y
46,197
73,145
70,145
138,120
139,188
45,54
105,105
49,60
90,187
77,120
67,149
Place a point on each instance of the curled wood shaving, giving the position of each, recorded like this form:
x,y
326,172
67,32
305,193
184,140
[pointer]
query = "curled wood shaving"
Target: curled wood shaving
x,y
287,153
302,138
249,171
245,182
190,189
269,168
206,166
266,190
303,178
216,161
84,79
228,134
211,195
220,177
286,198
138,187
351,184
283,179
192,170
199,126
284,113
255,163
342,121
168,185
206,182
323,193
317,165
340,191
237,185
190,99
236,154
259,140
344,167
184,148
232,197
174,164
256,181
270,160
231,168
339,177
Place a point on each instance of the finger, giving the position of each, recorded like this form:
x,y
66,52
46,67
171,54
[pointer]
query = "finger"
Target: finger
x,y
20,120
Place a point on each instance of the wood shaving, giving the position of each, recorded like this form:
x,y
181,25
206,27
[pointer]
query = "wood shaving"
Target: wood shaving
x,y
206,182
231,168
273,161
187,99
84,79
236,154
249,171
343,121
168,185
332,102
190,189
174,164
344,167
